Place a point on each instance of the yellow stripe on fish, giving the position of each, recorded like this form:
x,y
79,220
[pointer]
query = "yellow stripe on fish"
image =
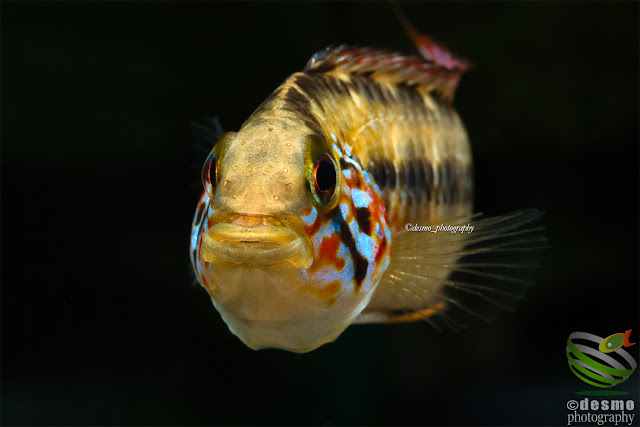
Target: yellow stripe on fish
x,y
301,230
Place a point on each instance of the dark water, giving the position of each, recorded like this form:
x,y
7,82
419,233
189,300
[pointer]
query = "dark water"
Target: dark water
x,y
101,321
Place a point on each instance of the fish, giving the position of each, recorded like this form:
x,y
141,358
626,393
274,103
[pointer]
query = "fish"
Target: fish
x,y
347,198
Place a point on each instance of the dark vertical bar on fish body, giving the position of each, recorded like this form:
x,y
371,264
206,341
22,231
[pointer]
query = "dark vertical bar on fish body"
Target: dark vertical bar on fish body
x,y
405,133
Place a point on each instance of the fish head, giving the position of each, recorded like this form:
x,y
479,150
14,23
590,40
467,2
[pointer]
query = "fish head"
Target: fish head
x,y
295,238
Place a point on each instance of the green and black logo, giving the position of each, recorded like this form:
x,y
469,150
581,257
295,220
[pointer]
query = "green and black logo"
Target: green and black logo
x,y
600,362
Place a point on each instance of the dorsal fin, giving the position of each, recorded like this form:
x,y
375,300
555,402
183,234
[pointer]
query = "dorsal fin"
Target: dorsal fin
x,y
392,67
429,48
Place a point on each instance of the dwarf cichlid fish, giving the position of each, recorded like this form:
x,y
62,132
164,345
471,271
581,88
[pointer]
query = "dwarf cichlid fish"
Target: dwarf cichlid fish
x,y
346,197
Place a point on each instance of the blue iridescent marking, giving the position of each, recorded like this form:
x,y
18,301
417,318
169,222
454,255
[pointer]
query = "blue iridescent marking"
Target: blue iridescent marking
x,y
353,162
195,232
364,244
334,138
337,150
325,231
346,273
370,180
347,150
347,173
311,218
360,198
378,231
194,238
344,209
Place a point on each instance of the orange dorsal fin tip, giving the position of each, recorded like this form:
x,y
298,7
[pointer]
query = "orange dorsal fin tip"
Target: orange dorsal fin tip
x,y
429,48
385,65
439,54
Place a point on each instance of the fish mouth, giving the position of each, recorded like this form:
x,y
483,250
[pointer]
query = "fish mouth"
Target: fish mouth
x,y
255,239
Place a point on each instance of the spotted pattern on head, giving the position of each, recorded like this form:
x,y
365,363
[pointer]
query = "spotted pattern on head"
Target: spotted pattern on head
x,y
350,241
201,224
353,236
196,231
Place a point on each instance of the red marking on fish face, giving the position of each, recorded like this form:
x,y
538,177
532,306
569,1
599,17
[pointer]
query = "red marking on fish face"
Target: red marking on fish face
x,y
328,255
381,250
313,229
378,212
354,180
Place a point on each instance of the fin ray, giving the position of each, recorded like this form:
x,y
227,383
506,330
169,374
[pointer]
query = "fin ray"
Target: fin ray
x,y
475,274
428,48
385,65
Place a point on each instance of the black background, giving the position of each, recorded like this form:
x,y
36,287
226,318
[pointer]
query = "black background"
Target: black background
x,y
101,320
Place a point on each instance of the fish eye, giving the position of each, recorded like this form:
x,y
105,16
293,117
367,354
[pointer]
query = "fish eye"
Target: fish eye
x,y
324,177
322,174
211,169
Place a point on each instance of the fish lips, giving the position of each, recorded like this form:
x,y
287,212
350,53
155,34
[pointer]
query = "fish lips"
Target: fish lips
x,y
255,245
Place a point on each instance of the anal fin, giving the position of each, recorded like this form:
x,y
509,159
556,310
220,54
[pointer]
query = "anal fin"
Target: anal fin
x,y
400,316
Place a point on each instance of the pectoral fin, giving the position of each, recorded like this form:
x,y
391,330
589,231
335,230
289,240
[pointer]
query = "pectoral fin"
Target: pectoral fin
x,y
440,275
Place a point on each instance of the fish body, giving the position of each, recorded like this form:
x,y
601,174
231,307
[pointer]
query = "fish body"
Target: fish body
x,y
302,227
